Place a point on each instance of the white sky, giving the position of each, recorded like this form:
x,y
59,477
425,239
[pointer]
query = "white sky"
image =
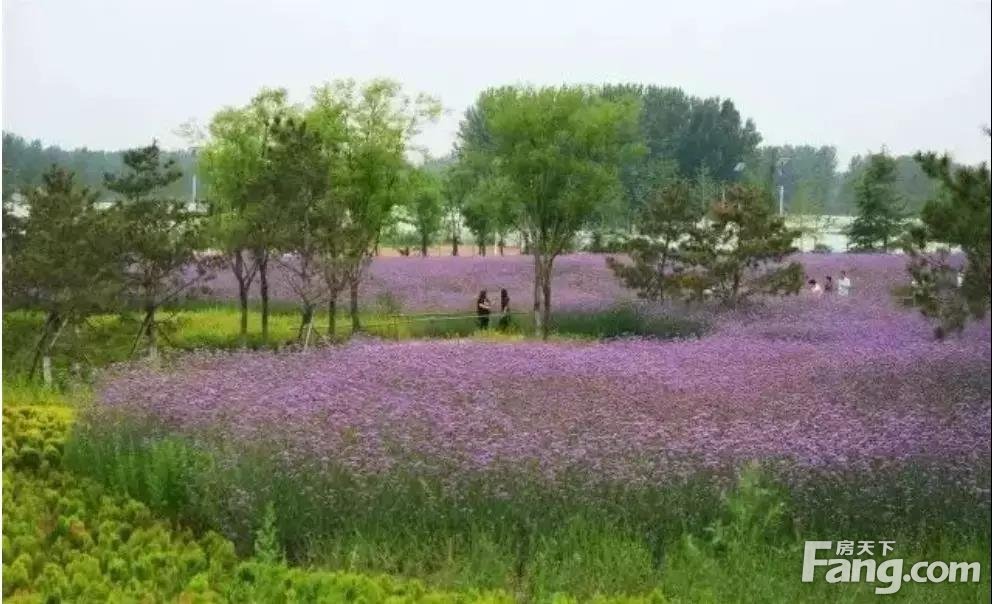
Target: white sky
x,y
857,74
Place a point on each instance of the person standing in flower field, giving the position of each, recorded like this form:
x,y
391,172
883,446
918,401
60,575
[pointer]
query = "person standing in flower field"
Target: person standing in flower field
x,y
828,285
482,309
504,309
844,285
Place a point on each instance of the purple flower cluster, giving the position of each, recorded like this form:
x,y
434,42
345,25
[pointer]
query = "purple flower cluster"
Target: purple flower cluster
x,y
816,382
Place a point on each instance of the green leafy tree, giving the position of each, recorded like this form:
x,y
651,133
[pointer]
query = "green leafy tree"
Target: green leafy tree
x,y
241,211
297,173
807,214
961,218
158,238
881,219
803,170
425,206
664,224
557,148
739,250
378,122
240,220
457,184
64,264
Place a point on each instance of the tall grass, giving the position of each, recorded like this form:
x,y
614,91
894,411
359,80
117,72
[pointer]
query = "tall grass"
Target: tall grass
x,y
512,529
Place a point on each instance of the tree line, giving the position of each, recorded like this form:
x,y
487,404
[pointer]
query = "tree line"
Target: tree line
x,y
315,187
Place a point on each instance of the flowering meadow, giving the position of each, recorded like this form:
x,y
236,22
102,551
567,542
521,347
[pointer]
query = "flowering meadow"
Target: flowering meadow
x,y
404,456
451,283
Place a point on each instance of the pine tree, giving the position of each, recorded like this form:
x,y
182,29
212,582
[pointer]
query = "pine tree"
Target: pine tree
x,y
959,218
881,218
158,238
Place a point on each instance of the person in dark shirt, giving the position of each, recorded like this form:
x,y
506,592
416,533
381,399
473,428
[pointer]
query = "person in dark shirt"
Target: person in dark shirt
x,y
482,309
504,309
828,285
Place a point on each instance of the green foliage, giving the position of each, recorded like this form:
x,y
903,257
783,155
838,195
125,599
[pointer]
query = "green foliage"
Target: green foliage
x,y
267,548
664,223
62,261
961,218
696,133
424,206
25,163
240,216
67,539
557,150
490,211
736,252
912,185
881,217
804,170
156,238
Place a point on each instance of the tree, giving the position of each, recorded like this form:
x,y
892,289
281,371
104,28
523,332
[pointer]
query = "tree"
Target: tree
x,y
297,172
64,264
457,183
961,218
696,132
880,218
377,123
913,186
739,250
26,162
802,170
664,223
807,213
158,238
557,148
424,207
241,210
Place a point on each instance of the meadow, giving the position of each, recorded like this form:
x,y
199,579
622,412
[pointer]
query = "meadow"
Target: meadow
x,y
679,452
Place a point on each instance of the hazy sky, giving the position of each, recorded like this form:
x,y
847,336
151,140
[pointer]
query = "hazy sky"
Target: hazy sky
x,y
855,74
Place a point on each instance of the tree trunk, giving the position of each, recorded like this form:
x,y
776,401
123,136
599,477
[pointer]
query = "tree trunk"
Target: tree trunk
x,y
332,314
150,332
501,245
454,244
353,289
306,325
41,348
537,295
239,272
46,370
424,242
546,289
263,288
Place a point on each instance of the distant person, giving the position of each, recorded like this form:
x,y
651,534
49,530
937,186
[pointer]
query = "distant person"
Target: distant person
x,y
960,278
814,287
504,309
844,285
482,309
828,285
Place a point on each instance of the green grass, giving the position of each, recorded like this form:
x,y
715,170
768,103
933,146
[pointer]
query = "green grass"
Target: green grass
x,y
107,339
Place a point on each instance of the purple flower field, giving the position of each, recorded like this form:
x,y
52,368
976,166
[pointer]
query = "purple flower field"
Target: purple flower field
x,y
829,384
452,283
